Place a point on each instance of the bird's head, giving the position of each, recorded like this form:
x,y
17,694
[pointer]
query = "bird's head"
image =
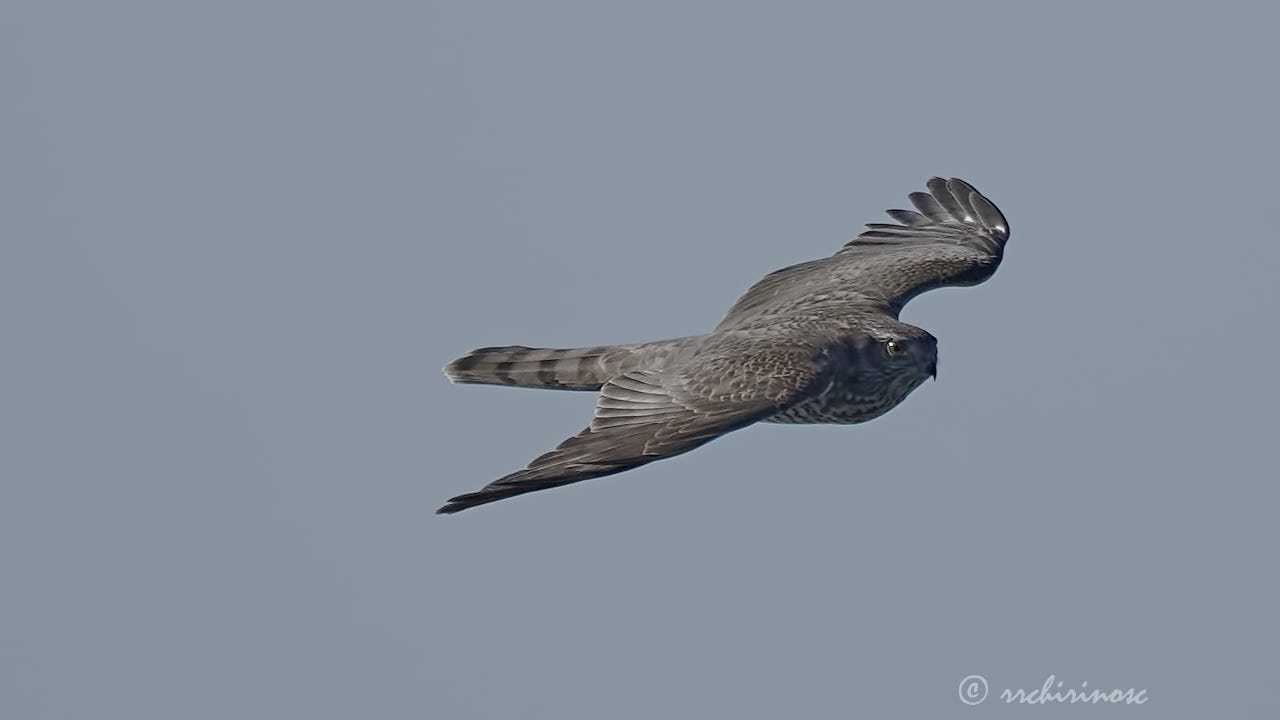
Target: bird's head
x,y
903,351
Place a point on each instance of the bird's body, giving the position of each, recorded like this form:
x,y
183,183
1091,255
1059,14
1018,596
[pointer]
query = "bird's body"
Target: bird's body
x,y
818,342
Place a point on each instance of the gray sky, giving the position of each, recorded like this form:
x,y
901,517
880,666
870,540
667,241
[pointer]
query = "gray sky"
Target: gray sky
x,y
239,241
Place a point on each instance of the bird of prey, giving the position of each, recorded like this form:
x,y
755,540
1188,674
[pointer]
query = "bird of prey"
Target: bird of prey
x,y
817,342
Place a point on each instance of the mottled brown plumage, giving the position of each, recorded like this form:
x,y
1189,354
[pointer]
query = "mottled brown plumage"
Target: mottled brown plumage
x,y
818,342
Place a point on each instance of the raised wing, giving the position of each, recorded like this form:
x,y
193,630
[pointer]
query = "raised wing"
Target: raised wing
x,y
954,237
649,415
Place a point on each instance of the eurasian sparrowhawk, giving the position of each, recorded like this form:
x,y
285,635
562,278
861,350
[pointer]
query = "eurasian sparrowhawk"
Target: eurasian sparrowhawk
x,y
818,342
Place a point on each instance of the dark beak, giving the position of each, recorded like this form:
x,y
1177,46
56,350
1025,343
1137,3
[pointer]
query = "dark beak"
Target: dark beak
x,y
933,369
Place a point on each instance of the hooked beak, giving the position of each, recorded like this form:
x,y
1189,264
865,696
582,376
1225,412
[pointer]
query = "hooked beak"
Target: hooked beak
x,y
933,369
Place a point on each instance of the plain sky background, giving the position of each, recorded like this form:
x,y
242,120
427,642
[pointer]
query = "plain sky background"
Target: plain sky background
x,y
239,239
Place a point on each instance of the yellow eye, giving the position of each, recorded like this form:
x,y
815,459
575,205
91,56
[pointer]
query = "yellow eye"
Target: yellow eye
x,y
895,348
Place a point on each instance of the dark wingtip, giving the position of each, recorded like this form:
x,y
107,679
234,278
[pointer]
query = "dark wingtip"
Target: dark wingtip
x,y
975,207
457,504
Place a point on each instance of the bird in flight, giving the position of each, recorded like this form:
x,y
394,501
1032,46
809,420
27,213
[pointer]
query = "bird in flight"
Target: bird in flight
x,y
817,342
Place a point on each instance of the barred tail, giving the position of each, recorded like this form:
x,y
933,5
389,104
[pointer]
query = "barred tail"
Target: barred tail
x,y
574,369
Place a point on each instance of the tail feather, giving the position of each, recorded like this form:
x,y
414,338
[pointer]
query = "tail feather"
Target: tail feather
x,y
573,369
